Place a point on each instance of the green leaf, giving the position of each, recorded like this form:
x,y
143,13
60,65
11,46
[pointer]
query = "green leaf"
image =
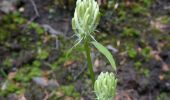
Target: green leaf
x,y
106,53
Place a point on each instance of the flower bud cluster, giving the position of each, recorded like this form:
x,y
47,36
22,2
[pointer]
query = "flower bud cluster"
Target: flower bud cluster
x,y
105,86
86,17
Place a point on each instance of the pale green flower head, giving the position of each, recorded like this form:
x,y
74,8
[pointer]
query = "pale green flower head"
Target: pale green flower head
x,y
105,86
86,18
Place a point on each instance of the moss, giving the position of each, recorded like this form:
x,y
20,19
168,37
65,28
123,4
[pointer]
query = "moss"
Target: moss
x,y
27,73
141,69
165,20
130,32
69,90
9,25
132,53
139,9
10,87
146,3
163,96
4,34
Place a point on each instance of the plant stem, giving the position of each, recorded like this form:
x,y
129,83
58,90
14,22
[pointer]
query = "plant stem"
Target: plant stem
x,y
89,61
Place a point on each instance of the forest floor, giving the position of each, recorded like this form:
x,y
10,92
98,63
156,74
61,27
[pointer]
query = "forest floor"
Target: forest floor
x,y
35,36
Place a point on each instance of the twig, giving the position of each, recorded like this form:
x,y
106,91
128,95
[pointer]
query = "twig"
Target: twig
x,y
35,8
51,30
81,72
34,17
29,22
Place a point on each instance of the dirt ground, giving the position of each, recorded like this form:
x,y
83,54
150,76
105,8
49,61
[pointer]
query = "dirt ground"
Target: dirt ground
x,y
32,62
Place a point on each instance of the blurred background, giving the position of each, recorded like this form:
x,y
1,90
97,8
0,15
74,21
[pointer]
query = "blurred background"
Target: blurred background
x,y
36,34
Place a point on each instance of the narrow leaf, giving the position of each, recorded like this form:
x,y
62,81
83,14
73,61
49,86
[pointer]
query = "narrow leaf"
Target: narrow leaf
x,y
106,53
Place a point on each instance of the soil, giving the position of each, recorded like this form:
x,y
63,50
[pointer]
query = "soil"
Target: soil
x,y
144,82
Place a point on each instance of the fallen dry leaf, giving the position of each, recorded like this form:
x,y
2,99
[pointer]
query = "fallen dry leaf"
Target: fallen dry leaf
x,y
165,67
123,96
68,98
96,63
59,94
21,97
11,75
68,63
161,77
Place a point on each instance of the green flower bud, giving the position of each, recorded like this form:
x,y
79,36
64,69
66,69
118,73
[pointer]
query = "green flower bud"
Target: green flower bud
x,y
86,17
105,86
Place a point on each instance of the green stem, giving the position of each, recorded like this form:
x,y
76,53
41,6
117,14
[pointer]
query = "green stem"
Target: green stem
x,y
89,61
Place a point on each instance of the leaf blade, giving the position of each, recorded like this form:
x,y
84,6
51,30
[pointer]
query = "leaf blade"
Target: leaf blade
x,y
106,53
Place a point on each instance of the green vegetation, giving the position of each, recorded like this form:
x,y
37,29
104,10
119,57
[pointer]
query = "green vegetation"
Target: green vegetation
x,y
165,20
132,53
10,24
130,32
163,96
69,90
10,87
8,62
84,23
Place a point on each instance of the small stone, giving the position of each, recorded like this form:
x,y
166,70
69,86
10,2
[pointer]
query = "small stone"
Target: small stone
x,y
40,81
53,84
